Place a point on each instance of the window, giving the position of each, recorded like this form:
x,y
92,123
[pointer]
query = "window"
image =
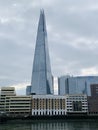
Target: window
x,y
77,106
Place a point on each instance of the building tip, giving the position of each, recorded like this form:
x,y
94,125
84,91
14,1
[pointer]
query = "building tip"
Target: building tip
x,y
42,11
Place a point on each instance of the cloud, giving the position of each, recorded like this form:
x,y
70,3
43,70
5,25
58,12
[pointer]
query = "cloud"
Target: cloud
x,y
72,38
20,88
89,71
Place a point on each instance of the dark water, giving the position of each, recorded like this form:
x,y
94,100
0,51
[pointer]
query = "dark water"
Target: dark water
x,y
51,125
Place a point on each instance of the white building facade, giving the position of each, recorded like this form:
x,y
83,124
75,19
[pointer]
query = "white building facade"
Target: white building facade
x,y
76,104
55,105
48,105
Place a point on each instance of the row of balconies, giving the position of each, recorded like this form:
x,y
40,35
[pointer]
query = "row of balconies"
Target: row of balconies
x,y
48,112
14,109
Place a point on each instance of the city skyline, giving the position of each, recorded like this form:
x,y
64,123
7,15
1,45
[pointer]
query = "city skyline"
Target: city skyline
x,y
72,35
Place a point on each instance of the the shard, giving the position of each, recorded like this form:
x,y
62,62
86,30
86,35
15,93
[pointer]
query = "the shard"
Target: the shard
x,y
41,82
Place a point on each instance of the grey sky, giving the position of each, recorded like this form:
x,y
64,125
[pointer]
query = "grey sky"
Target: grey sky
x,y
72,38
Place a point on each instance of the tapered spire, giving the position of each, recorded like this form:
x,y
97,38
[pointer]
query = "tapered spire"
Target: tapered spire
x,y
42,22
41,82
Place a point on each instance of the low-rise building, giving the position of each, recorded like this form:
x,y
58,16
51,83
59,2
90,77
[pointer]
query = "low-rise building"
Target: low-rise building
x,y
18,105
59,105
14,105
5,91
76,104
48,105
41,105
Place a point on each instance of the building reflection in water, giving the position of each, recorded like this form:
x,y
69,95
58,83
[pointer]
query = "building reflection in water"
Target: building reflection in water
x,y
51,125
62,125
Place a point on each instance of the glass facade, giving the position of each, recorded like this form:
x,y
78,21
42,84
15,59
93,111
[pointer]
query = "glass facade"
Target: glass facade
x,y
41,81
76,85
28,90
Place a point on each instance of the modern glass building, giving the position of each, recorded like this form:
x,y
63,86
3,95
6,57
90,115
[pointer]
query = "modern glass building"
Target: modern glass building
x,y
76,85
41,82
28,90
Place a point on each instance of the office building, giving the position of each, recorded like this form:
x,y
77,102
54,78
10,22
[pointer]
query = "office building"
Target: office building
x,y
5,91
28,90
10,91
76,85
54,105
93,100
41,105
76,104
18,106
63,86
41,82
13,105
94,90
51,105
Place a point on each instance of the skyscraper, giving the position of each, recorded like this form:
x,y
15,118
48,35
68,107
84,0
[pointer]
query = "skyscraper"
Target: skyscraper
x,y
41,82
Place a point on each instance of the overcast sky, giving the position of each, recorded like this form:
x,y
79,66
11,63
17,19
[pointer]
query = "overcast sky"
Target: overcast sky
x,y
72,27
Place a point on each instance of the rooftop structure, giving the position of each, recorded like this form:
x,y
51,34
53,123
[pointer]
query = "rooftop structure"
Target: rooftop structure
x,y
8,91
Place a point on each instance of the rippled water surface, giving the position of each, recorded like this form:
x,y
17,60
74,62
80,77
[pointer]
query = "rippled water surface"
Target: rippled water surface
x,y
51,125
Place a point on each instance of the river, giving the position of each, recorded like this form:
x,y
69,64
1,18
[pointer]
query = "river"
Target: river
x,y
52,125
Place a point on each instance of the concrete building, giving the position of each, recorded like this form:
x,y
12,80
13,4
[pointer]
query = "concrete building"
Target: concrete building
x,y
14,105
8,91
48,105
76,104
5,91
18,105
76,85
41,105
54,105
41,81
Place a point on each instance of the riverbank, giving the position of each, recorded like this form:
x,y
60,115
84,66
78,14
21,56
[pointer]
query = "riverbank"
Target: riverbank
x,y
44,118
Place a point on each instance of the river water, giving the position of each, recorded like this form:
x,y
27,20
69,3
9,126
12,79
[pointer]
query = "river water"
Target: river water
x,y
52,125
